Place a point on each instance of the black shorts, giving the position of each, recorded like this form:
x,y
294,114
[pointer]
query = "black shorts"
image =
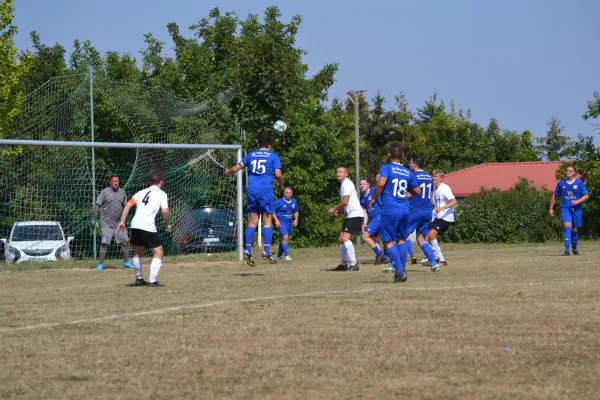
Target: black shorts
x,y
140,237
353,225
441,225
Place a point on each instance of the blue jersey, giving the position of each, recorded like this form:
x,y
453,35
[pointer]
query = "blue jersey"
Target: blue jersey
x,y
570,191
365,200
399,180
285,210
261,169
423,200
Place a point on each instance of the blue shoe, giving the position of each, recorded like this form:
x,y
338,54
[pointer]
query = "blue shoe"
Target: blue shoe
x,y
127,264
100,267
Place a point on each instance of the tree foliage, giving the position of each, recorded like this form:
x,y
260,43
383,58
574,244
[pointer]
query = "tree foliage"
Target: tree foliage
x,y
259,62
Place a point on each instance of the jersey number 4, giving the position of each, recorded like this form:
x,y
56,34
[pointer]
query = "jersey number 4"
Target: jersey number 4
x,y
258,166
146,198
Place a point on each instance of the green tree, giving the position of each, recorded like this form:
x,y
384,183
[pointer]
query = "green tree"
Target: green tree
x,y
553,145
593,107
12,68
527,149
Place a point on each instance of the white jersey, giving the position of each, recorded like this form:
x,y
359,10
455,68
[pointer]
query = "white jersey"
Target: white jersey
x,y
353,208
148,202
441,197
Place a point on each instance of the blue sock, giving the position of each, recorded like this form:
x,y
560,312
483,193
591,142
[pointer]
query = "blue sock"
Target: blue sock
x,y
249,239
286,249
409,247
574,239
402,251
428,251
280,251
377,250
268,232
567,238
392,252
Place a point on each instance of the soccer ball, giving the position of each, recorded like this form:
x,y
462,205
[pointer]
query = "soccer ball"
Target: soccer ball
x,y
280,126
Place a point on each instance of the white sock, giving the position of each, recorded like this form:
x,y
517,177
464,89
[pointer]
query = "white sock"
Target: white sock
x,y
350,250
137,267
344,254
154,269
437,250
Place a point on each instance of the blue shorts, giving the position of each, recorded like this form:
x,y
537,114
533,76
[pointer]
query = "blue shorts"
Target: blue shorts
x,y
419,221
393,227
572,215
261,203
373,226
285,228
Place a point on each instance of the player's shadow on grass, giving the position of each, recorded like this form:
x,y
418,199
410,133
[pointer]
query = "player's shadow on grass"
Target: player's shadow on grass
x,y
246,274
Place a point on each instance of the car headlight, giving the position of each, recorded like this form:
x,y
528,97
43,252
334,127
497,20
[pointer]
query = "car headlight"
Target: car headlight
x,y
16,254
60,250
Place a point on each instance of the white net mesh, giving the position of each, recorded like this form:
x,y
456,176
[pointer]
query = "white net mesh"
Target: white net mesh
x,y
52,184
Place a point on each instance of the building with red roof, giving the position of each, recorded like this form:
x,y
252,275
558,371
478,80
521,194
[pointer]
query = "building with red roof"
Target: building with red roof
x,y
502,176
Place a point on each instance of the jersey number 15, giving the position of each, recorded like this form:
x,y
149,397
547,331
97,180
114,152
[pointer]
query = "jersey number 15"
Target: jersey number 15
x,y
258,167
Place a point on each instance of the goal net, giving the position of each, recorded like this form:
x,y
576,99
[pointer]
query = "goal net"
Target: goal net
x,y
48,187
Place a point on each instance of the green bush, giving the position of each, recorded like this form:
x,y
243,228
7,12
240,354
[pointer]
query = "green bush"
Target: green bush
x,y
519,214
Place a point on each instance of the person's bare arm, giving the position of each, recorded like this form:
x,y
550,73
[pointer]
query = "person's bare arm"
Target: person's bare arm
x,y
233,170
552,202
167,217
96,210
124,214
279,178
340,205
296,215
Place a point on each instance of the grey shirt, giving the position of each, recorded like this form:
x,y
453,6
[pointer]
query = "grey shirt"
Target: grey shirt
x,y
112,204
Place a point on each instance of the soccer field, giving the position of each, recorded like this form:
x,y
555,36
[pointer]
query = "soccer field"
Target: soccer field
x,y
501,321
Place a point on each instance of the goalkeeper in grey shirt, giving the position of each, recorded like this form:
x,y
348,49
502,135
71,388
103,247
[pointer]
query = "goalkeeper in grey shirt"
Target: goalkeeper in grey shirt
x,y
112,200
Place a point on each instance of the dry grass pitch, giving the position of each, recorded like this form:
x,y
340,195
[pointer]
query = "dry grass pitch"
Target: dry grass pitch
x,y
500,322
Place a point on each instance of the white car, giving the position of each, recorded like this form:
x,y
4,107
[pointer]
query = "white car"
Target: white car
x,y
36,241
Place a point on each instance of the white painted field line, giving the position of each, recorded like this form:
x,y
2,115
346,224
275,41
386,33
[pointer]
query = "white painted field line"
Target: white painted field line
x,y
285,296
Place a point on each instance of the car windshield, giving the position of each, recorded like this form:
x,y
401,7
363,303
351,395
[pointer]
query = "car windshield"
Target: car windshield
x,y
215,218
25,233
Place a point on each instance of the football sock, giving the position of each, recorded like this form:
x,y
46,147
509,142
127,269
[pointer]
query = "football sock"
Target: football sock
x,y
428,251
249,239
350,250
344,254
377,250
286,249
567,238
436,248
125,252
402,252
392,252
154,269
103,251
137,267
409,247
268,232
280,250
574,239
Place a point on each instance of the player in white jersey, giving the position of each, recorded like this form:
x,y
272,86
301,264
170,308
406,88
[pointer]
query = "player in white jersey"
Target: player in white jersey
x,y
143,228
444,202
352,224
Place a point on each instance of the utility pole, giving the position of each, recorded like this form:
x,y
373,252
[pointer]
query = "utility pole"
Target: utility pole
x,y
354,95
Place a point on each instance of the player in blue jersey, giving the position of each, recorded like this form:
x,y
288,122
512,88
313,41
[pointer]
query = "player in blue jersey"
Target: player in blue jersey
x,y
372,220
263,165
421,212
395,181
573,193
286,217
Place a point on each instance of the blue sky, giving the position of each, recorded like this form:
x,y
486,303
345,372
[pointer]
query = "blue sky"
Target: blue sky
x,y
517,61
